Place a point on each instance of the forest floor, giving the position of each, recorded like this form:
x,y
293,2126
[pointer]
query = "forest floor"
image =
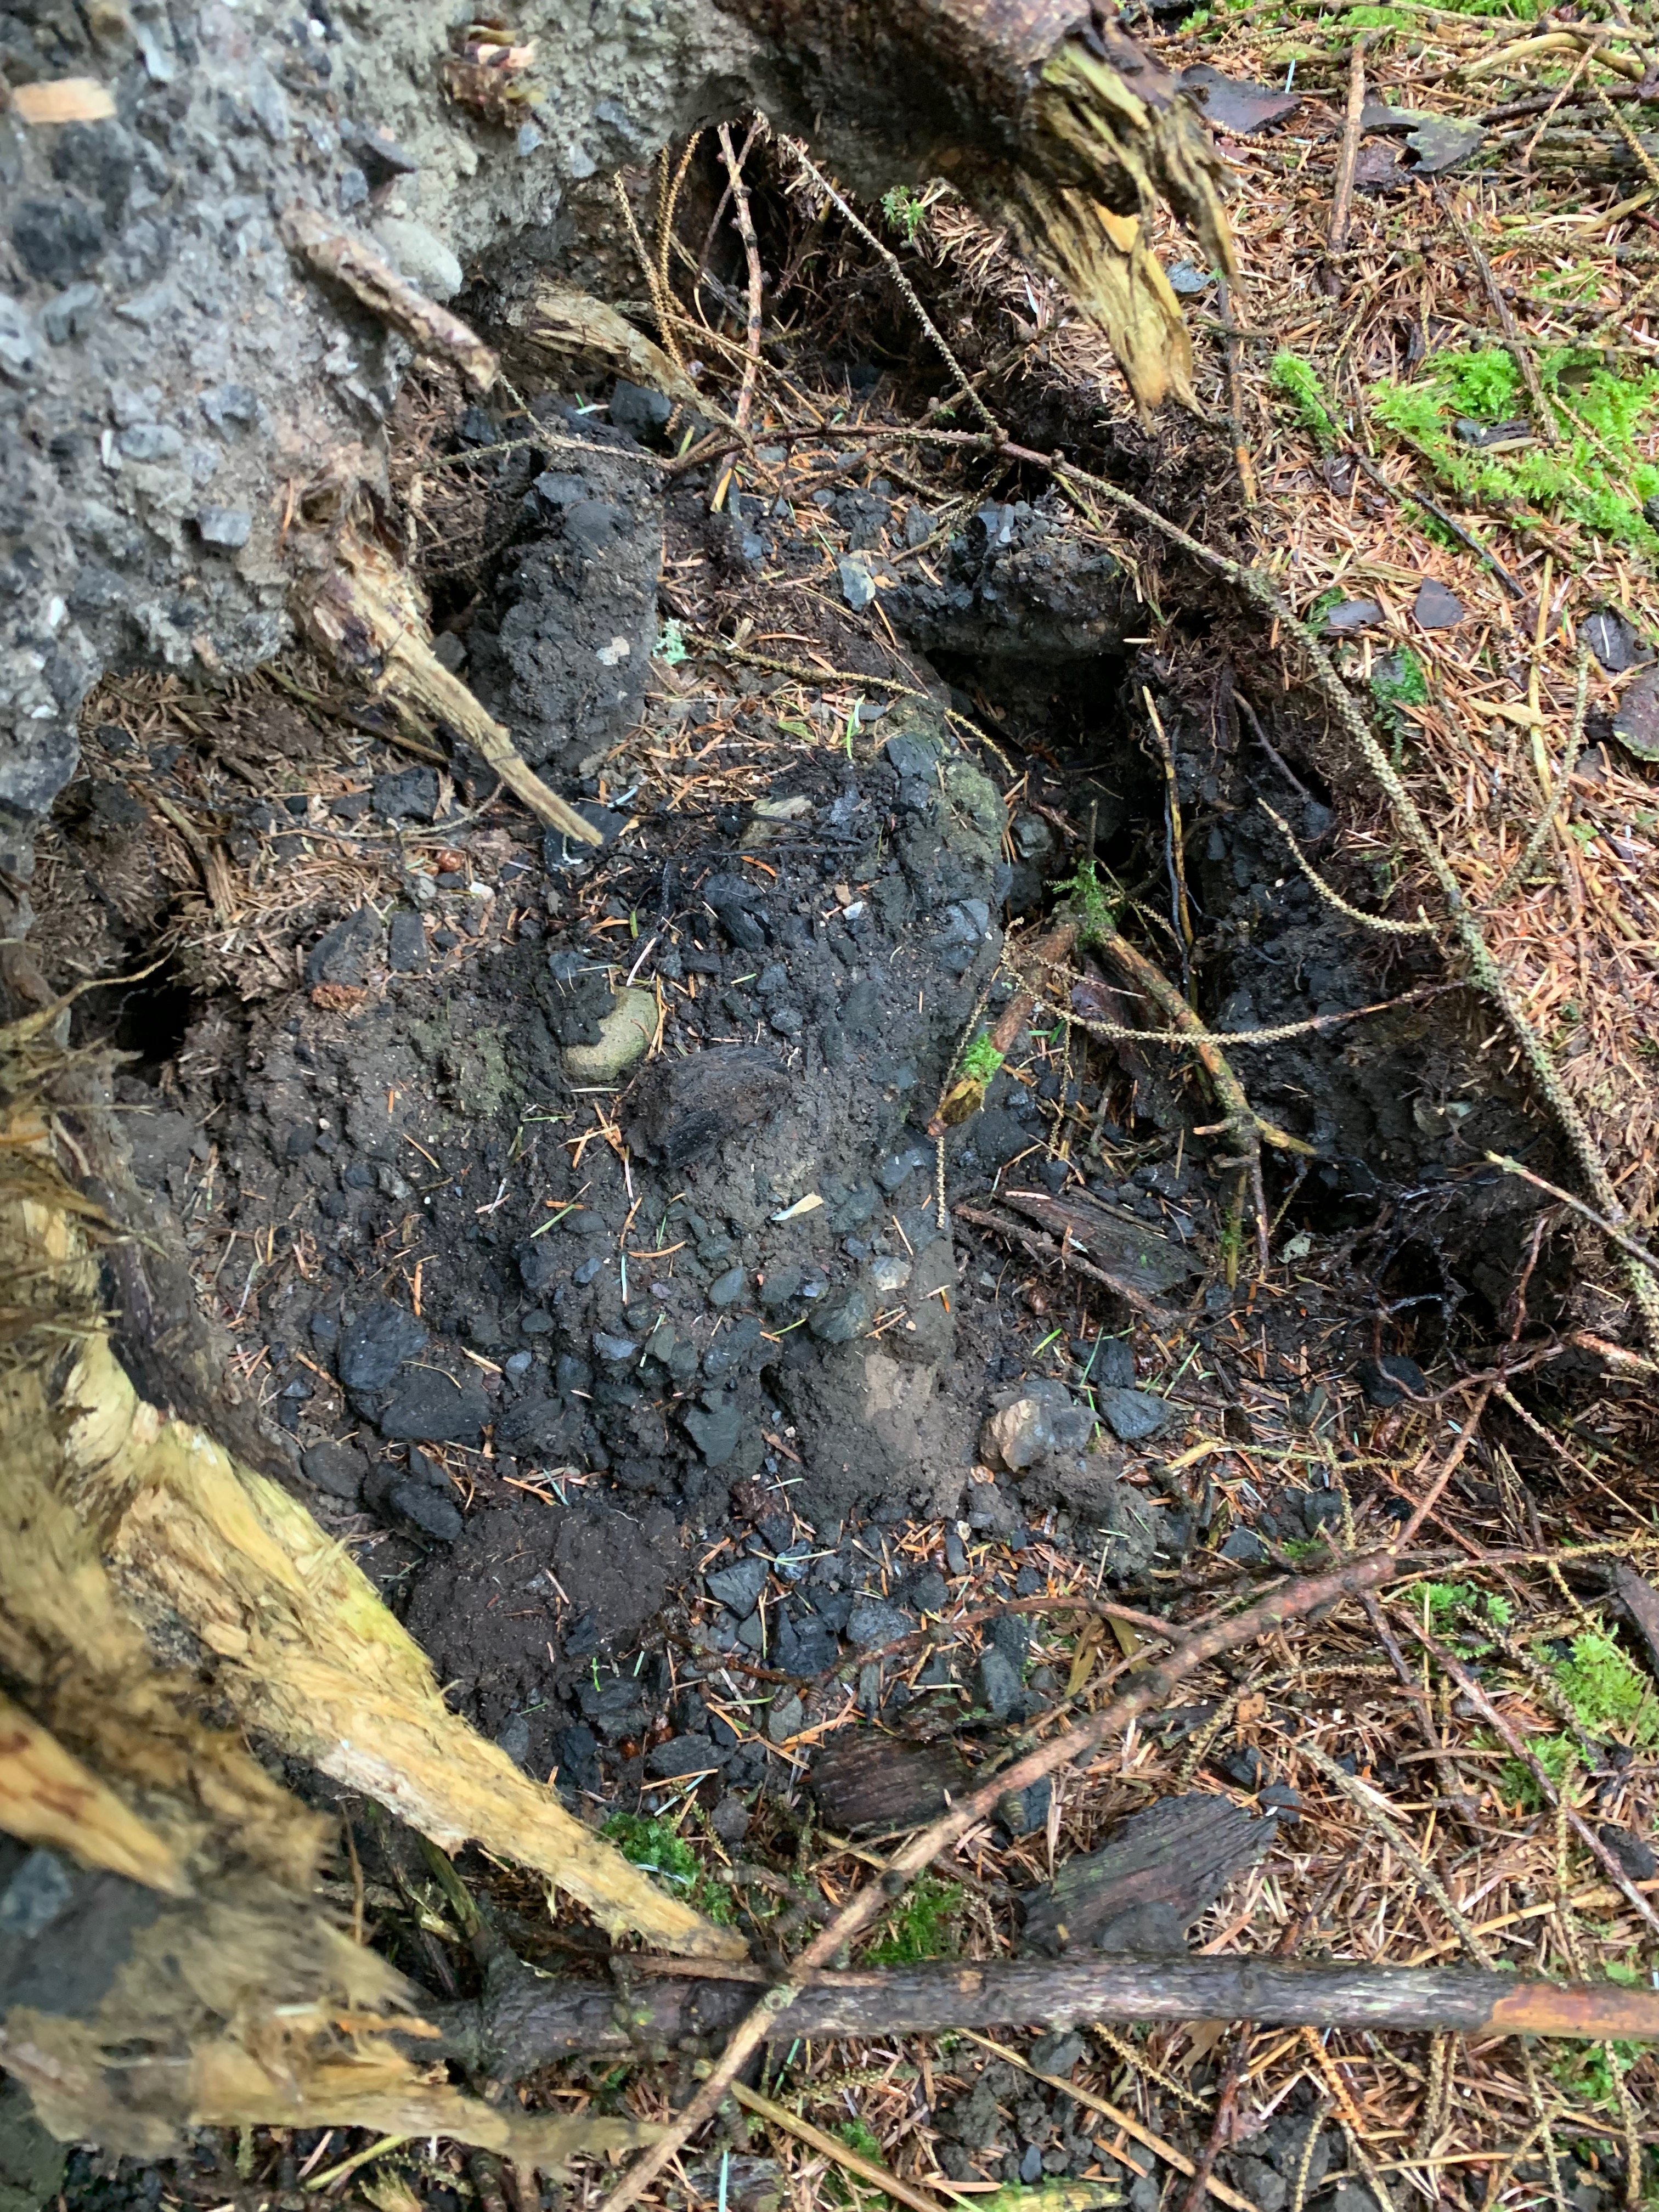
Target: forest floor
x,y
790,1428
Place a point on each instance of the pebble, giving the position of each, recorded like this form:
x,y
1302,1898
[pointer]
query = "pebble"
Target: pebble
x,y
625,1035
739,1586
374,1346
785,1717
872,1622
1132,1415
996,1682
342,954
405,942
1245,1548
726,1288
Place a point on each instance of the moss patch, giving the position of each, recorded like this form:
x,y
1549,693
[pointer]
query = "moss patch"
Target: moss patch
x,y
923,1926
653,1846
1595,475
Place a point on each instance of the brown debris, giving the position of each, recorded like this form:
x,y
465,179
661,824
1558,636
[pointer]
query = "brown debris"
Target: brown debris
x,y
344,257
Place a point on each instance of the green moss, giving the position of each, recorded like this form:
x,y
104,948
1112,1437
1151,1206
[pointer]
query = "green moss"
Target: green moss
x,y
1608,1696
1606,1690
859,2134
906,211
982,1060
1299,381
1446,1601
654,1846
1594,476
922,1927
1092,909
1398,681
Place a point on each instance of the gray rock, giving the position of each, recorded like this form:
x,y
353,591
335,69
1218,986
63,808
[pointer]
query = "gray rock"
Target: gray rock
x,y
838,1321
872,1622
35,1896
57,238
374,1346
1057,2053
343,954
72,313
996,1683
432,1514
421,255
715,1427
858,585
427,1407
739,1585
18,349
514,1738
150,441
405,946
730,1819
805,1647
889,1273
1245,1546
726,1288
1132,1415
410,794
632,407
787,1717
618,1349
1042,1422
228,527
336,1468
682,1755
1436,608
625,1035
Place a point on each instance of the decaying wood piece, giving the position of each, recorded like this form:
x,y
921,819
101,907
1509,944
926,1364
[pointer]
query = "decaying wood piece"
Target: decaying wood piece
x,y
1161,1870
1049,120
518,2028
347,258
863,1779
182,1535
368,617
557,327
1139,1263
163,1960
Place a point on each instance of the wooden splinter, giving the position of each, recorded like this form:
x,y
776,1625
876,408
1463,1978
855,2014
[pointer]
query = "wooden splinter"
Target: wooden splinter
x,y
368,617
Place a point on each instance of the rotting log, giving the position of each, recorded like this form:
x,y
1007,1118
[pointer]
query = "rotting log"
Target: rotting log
x,y
528,2019
368,617
164,1961
1049,120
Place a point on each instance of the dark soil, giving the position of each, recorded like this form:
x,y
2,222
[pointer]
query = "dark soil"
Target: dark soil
x,y
541,1342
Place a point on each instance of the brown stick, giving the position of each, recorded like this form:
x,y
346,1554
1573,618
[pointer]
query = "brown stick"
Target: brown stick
x,y
1226,2111
1153,1689
350,261
902,2191
511,2033
1342,198
1519,351
745,225
1048,952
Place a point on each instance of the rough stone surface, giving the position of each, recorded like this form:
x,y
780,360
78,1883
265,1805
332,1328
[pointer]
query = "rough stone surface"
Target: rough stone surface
x,y
163,357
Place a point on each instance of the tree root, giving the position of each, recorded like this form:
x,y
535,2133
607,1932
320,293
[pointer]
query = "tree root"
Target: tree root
x,y
366,616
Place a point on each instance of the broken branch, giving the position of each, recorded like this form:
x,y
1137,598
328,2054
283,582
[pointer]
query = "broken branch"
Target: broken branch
x,y
1153,1689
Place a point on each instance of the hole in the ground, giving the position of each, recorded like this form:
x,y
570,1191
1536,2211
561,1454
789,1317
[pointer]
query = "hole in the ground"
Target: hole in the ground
x,y
149,1018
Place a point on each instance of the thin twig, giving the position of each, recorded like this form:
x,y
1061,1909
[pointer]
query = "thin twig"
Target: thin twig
x,y
964,390
1520,354
1561,795
1621,1237
746,225
1342,197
